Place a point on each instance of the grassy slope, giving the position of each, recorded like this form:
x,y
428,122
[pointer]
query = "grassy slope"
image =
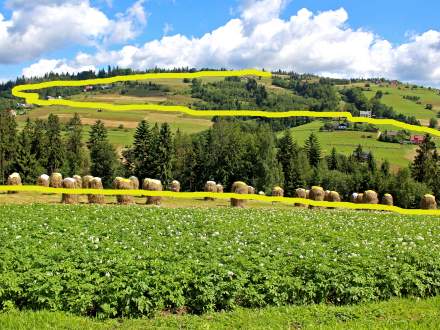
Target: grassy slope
x,y
346,141
393,314
407,107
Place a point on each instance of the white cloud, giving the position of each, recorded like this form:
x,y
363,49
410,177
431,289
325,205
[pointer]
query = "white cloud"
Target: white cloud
x,y
320,43
56,66
35,28
167,28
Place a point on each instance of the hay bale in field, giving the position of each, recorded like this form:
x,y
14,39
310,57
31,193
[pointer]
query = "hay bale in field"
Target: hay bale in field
x,y
175,186
316,194
43,180
86,181
210,186
278,191
333,196
69,183
359,198
123,184
56,180
261,193
326,194
428,202
153,185
370,197
78,180
135,182
301,193
251,190
219,188
95,183
307,193
239,187
387,199
13,180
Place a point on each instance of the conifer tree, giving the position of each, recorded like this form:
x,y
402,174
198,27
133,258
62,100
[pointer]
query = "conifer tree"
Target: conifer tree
x,y
25,162
75,147
333,163
313,150
424,165
141,152
164,154
8,143
39,142
103,160
55,146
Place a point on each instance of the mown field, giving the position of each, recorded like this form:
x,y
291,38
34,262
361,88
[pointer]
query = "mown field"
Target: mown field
x,y
107,262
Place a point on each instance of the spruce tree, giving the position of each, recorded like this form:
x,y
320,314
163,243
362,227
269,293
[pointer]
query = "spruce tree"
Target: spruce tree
x,y
103,159
39,142
371,163
165,154
55,146
75,146
25,162
8,143
333,163
313,150
141,152
287,157
424,165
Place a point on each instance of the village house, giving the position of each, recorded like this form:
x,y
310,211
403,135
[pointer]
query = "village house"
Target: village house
x,y
365,114
417,139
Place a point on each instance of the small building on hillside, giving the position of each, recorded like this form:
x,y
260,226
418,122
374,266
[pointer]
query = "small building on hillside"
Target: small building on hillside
x,y
88,88
417,139
365,114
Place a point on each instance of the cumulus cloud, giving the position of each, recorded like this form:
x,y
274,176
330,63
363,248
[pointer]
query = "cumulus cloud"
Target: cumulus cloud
x,y
321,43
38,27
56,66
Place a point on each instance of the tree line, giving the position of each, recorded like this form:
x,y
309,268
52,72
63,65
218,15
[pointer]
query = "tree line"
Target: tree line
x,y
230,150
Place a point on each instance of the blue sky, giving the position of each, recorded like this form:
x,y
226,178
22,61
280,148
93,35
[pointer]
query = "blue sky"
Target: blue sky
x,y
398,39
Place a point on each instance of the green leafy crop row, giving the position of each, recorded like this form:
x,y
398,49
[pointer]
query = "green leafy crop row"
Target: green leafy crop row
x,y
131,261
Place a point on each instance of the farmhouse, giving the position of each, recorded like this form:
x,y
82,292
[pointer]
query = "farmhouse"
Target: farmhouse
x,y
417,139
365,114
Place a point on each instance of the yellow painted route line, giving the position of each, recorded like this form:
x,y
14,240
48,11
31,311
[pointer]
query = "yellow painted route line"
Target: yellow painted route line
x,y
284,200
34,98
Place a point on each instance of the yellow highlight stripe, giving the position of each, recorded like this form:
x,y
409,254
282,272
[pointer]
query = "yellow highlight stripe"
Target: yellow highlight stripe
x,y
34,98
285,200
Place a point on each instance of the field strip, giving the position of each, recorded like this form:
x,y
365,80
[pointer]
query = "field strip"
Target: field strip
x,y
34,98
284,200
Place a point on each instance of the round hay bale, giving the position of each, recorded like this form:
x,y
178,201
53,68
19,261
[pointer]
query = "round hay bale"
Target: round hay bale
x,y
251,190
13,180
326,194
428,202
359,198
239,187
56,180
86,181
278,191
175,186
43,180
316,194
219,188
154,185
78,180
210,186
261,193
69,183
333,196
301,193
307,194
95,183
370,197
123,184
387,199
135,182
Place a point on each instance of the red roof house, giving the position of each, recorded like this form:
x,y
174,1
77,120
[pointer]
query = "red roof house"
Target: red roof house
x,y
417,139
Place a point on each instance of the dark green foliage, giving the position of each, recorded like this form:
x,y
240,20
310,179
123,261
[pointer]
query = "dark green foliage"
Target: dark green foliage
x,y
25,162
75,153
55,148
103,159
313,150
8,143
